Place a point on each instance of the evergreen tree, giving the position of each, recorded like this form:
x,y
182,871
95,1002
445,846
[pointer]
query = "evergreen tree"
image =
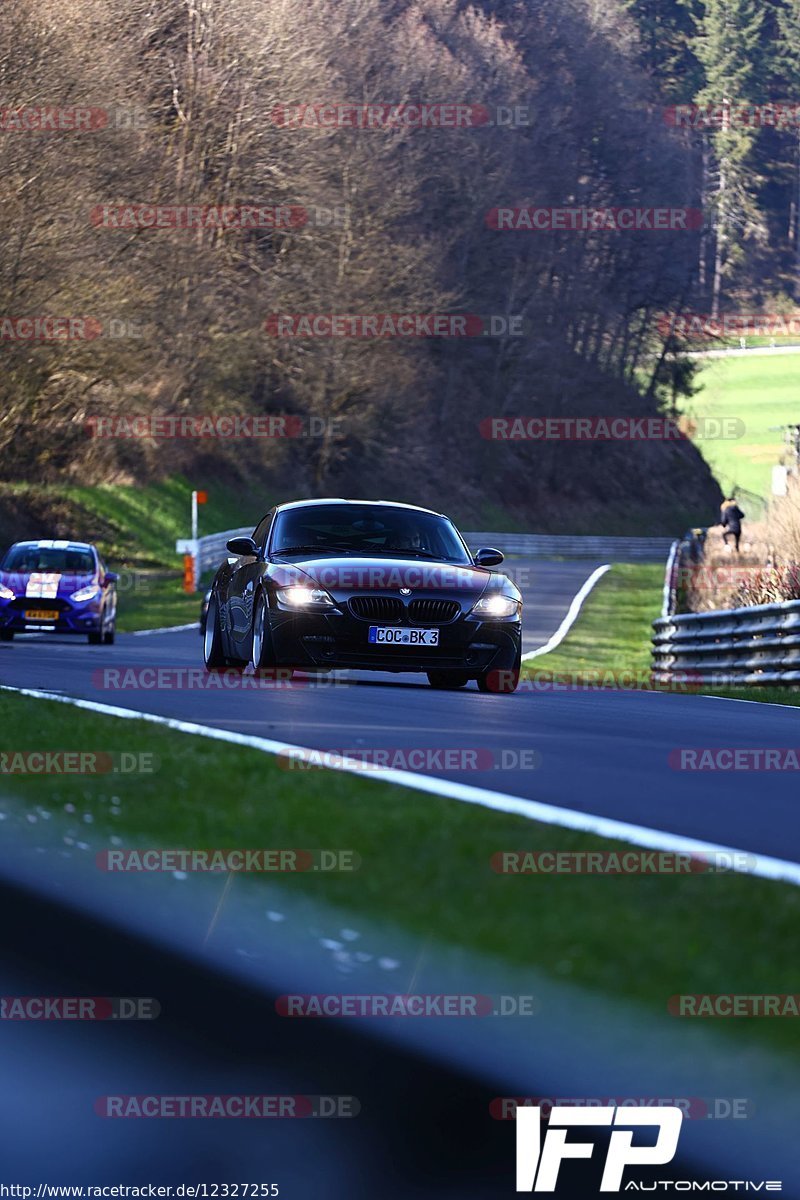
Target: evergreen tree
x,y
729,46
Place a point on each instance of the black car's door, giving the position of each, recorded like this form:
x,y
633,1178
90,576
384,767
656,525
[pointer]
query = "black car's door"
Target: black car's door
x,y
245,573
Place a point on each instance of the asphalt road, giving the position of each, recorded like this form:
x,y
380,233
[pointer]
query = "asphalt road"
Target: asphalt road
x,y
599,751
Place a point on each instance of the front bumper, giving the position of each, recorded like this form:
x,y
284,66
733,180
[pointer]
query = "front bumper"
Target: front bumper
x,y
339,640
63,617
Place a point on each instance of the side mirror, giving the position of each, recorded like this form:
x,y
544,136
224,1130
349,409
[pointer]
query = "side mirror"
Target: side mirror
x,y
243,547
110,577
488,557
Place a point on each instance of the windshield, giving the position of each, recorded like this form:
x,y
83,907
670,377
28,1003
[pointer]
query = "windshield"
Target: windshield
x,y
25,559
367,529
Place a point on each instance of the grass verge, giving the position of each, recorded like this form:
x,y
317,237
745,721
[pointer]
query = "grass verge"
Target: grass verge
x,y
155,600
425,864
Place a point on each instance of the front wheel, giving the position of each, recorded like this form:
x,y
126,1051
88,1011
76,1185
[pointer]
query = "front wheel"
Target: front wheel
x,y
501,682
447,680
213,656
263,655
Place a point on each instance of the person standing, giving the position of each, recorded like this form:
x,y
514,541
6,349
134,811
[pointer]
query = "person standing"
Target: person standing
x,y
730,518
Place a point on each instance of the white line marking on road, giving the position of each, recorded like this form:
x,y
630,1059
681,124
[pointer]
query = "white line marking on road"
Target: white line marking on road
x,y
166,629
572,615
763,866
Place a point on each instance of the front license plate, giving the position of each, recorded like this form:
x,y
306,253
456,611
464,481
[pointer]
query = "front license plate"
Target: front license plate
x,y
39,614
395,635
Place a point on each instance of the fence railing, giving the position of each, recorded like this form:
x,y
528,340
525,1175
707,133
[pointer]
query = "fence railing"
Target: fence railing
x,y
545,545
758,645
209,551
670,575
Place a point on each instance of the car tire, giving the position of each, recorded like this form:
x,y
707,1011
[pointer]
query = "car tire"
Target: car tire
x,y
109,636
94,639
6,635
263,653
499,681
213,656
447,680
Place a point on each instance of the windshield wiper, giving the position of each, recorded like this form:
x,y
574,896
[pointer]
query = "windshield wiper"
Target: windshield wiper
x,y
315,549
420,554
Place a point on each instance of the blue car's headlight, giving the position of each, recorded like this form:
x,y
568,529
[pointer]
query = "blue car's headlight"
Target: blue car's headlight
x,y
496,606
85,593
6,593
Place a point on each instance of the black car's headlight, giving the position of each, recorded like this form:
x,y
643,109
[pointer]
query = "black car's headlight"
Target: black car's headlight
x,y
302,597
496,605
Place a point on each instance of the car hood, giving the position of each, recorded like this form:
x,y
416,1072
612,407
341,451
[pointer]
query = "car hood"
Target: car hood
x,y
343,575
45,585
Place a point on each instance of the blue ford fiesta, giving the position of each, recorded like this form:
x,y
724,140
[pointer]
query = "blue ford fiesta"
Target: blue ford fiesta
x,y
57,587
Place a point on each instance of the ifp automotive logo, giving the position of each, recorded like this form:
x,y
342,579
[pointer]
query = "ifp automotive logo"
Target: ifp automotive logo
x,y
538,1162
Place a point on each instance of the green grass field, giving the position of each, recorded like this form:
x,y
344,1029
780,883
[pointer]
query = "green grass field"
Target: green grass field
x,y
154,600
762,391
425,864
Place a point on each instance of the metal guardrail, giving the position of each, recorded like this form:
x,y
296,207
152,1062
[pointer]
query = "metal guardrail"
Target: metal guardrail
x,y
749,646
544,545
670,575
209,551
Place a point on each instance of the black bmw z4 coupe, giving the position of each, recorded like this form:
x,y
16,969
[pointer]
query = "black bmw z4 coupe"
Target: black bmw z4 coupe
x,y
364,585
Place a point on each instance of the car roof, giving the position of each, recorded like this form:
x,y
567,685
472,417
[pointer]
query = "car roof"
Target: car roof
x,y
341,500
54,544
